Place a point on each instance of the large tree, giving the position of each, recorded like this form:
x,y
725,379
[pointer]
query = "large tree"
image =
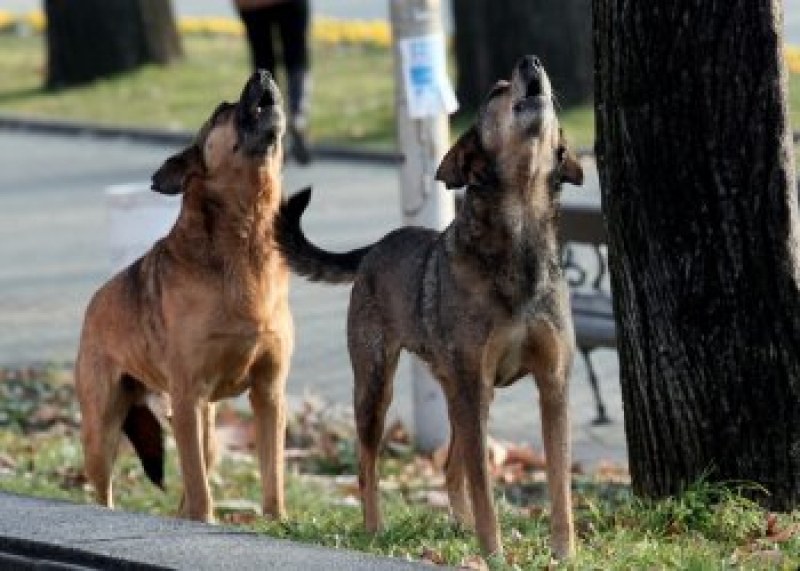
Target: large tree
x,y
698,188
88,39
490,35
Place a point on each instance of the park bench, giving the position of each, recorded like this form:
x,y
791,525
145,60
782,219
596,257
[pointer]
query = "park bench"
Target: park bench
x,y
581,226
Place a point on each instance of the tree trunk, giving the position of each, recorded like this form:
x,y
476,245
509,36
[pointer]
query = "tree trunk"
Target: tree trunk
x,y
697,177
490,35
89,39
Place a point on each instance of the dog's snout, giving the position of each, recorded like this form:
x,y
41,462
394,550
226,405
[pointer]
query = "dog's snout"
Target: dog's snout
x,y
530,63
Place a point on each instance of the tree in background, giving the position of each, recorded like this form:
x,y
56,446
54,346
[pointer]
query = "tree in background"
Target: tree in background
x,y
88,39
490,35
698,185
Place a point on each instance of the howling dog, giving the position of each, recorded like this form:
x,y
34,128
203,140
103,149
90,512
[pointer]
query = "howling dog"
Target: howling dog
x,y
204,315
483,303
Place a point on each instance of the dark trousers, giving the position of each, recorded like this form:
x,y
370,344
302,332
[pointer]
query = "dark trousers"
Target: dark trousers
x,y
290,18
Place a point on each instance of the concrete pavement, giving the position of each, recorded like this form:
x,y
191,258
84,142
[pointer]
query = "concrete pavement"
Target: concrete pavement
x,y
54,253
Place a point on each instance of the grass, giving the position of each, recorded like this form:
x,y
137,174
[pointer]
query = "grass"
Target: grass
x,y
353,93
709,527
353,96
349,105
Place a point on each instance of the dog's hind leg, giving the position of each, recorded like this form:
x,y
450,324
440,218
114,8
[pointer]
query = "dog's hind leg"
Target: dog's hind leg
x,y
207,418
267,397
374,366
104,403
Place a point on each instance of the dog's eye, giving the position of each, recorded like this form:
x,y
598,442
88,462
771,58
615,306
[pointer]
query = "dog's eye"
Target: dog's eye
x,y
561,153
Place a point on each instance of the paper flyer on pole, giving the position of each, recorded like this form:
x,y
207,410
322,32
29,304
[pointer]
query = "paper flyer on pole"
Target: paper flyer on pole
x,y
428,89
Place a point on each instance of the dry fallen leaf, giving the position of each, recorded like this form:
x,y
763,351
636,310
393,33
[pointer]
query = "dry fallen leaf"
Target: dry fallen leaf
x,y
398,434
611,472
7,461
772,524
431,556
439,456
777,535
474,562
498,452
526,456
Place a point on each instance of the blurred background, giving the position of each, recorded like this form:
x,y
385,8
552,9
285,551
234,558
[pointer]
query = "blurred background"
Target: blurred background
x,y
192,56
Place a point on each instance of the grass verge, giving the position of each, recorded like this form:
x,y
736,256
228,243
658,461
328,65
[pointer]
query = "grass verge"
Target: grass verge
x,y
352,102
709,527
353,96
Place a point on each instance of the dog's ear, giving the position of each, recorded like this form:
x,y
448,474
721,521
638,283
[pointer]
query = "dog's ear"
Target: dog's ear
x,y
569,167
170,177
466,163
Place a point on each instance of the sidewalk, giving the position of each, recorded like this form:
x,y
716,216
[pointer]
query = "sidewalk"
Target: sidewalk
x,y
54,254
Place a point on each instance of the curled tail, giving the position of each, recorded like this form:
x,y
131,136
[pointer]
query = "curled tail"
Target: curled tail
x,y
305,258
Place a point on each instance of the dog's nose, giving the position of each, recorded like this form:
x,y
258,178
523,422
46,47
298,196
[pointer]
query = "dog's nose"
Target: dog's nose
x,y
530,63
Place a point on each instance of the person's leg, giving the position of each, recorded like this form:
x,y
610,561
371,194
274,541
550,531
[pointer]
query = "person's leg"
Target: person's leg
x,y
258,26
293,24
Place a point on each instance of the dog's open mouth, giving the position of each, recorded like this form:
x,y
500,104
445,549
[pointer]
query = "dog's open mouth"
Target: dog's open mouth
x,y
260,115
532,86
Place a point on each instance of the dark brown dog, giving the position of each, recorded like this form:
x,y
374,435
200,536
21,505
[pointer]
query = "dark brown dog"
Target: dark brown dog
x,y
484,303
202,316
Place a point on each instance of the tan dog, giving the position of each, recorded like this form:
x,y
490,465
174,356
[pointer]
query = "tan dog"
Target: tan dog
x,y
484,303
202,316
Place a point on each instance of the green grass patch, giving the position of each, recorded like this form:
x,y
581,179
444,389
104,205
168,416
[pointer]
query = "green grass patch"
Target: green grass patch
x,y
709,527
352,100
353,96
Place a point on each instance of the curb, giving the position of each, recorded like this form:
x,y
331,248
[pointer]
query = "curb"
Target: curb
x,y
45,534
324,151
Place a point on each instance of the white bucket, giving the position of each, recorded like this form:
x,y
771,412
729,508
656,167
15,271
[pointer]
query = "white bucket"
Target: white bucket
x,y
137,218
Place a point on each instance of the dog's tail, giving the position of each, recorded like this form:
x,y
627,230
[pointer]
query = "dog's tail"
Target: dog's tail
x,y
305,258
144,431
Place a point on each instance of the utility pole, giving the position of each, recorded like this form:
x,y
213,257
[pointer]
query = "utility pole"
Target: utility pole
x,y
423,99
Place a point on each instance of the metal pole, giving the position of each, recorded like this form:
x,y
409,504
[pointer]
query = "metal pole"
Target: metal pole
x,y
423,141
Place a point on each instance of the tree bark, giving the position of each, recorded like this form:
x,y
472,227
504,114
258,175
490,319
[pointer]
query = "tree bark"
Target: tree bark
x,y
698,187
490,35
90,39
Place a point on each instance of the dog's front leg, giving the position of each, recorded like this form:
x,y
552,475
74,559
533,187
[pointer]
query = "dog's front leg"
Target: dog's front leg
x,y
470,413
460,508
554,404
550,364
268,402
186,422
